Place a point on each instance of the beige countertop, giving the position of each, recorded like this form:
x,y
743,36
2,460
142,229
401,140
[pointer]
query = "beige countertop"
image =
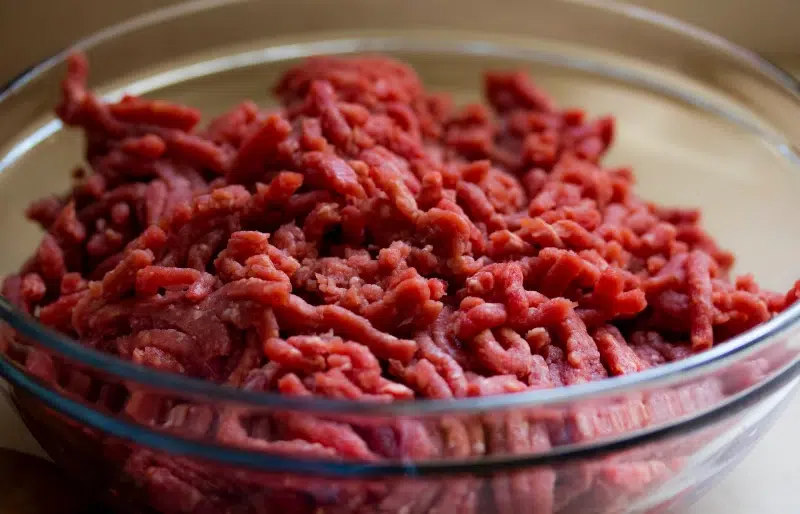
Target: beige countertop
x,y
37,28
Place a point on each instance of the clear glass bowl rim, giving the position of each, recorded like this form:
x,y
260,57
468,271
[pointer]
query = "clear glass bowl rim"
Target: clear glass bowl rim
x,y
661,376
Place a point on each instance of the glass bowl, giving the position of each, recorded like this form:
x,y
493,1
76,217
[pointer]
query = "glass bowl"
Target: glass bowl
x,y
703,123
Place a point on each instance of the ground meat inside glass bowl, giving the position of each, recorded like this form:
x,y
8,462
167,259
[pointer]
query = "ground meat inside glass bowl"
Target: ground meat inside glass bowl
x,y
369,240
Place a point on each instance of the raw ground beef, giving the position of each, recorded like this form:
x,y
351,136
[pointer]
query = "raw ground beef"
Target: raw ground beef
x,y
368,240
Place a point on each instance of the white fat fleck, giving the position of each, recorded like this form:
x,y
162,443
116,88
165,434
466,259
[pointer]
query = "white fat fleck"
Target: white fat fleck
x,y
649,238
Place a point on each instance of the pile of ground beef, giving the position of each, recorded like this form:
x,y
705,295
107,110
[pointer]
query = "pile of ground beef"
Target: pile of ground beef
x,y
368,240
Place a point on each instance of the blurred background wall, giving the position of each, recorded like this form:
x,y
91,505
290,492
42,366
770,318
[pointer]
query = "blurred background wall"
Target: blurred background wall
x,y
33,29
